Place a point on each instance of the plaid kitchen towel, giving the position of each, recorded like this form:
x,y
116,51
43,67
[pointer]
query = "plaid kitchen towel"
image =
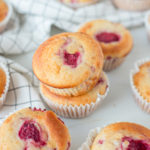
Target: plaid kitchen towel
x,y
23,89
31,23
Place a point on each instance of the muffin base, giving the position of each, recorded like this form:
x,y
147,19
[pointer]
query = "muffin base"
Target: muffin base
x,y
112,63
75,91
73,111
145,106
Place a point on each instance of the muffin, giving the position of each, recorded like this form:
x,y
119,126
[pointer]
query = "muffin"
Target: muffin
x,y
5,14
140,83
4,83
118,136
67,65
115,40
4,10
78,106
78,3
34,129
133,5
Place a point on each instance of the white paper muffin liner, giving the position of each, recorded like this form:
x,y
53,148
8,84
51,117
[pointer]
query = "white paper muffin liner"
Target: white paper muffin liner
x,y
4,23
90,139
134,5
147,23
79,5
110,64
3,96
145,106
75,111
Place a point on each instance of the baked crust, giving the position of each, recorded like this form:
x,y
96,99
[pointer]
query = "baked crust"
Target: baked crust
x,y
50,69
84,99
2,81
115,136
114,49
142,81
57,133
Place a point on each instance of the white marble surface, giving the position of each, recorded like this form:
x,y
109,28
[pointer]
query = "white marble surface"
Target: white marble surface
x,y
119,104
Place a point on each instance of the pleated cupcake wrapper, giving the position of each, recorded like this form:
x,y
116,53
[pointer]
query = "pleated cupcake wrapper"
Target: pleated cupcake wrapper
x,y
135,5
145,106
79,5
110,64
75,91
147,23
90,139
4,23
70,111
3,96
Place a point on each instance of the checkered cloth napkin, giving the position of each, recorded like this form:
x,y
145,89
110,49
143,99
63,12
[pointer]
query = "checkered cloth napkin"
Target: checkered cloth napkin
x,y
31,23
23,89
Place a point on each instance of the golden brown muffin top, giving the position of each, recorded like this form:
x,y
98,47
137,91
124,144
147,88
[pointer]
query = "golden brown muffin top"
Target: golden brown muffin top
x,y
34,129
114,38
67,60
122,136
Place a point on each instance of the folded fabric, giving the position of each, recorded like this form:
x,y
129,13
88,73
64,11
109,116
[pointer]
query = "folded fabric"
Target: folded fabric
x,y
32,20
23,89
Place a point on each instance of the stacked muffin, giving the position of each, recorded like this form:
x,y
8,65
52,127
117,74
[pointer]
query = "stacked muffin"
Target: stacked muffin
x,y
71,74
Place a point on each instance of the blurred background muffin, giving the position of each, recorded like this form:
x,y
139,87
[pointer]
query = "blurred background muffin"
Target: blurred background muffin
x,y
3,10
134,5
78,3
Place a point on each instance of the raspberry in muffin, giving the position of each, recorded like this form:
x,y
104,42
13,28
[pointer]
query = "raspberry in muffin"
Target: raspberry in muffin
x,y
115,40
67,64
140,83
73,106
34,129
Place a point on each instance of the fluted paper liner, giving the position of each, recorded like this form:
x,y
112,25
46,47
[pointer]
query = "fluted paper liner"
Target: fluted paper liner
x,y
110,64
